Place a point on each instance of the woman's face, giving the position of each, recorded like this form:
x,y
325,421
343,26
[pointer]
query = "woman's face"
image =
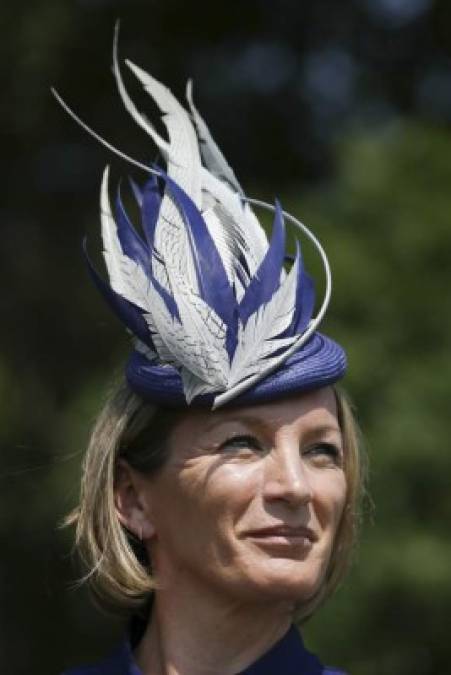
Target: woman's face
x,y
250,499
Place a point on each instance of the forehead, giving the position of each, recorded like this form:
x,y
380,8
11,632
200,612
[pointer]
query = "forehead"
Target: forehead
x,y
315,409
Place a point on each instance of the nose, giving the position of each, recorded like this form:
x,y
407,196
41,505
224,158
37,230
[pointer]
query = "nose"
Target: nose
x,y
287,478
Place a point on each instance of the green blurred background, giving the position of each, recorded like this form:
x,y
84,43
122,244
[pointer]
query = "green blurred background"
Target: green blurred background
x,y
342,110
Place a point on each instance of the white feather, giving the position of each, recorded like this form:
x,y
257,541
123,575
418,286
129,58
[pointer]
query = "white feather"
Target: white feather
x,y
213,158
206,330
229,246
163,353
184,166
141,347
183,153
197,341
258,340
217,165
171,241
247,227
193,386
225,245
131,108
127,278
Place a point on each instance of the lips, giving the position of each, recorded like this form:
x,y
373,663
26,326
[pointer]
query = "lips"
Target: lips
x,y
283,531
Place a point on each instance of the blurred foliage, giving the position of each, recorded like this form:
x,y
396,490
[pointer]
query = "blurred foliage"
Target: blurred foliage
x,y
386,221
343,110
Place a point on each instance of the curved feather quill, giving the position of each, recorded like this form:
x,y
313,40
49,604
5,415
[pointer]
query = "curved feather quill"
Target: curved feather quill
x,y
129,105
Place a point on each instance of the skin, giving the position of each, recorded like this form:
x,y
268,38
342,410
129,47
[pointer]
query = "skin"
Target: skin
x,y
229,582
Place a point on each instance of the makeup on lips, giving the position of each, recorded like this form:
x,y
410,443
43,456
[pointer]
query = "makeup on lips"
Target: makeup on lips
x,y
283,535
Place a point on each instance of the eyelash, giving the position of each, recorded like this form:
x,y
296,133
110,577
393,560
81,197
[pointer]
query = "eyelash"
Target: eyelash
x,y
252,443
325,448
243,441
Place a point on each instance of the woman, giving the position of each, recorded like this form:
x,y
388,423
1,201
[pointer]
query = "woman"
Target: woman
x,y
221,485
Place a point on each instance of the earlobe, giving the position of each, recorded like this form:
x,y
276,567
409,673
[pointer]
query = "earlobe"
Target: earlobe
x,y
131,507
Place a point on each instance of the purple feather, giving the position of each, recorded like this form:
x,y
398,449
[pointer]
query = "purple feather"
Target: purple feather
x,y
267,279
213,282
305,297
131,243
305,294
126,311
150,208
134,247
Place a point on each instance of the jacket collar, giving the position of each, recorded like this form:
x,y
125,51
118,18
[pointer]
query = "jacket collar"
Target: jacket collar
x,y
288,656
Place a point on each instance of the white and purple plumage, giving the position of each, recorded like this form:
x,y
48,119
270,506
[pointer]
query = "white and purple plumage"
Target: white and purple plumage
x,y
213,312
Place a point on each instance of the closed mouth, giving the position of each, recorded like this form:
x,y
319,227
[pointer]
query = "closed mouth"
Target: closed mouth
x,y
283,532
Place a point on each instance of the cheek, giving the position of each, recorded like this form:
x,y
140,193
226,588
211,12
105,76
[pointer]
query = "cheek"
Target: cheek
x,y
223,491
329,490
209,492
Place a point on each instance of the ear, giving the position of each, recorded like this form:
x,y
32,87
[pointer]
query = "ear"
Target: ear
x,y
131,506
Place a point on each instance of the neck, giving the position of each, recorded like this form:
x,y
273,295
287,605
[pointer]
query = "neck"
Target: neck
x,y
193,632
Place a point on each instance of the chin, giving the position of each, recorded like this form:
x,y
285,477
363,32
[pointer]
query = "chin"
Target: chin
x,y
284,580
293,580
287,574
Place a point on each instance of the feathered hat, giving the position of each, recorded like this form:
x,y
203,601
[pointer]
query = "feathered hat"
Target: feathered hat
x,y
215,316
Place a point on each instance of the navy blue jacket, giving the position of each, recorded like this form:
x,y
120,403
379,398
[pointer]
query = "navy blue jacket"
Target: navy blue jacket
x,y
287,657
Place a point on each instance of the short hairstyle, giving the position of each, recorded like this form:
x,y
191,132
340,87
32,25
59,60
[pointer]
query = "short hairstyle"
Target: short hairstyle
x,y
117,567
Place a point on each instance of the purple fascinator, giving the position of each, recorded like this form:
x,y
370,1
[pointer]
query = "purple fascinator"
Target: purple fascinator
x,y
215,313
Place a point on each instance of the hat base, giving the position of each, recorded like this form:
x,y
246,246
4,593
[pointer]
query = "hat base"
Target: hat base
x,y
320,362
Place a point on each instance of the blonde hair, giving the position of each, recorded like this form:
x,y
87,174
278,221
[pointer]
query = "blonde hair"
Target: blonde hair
x,y
355,468
118,570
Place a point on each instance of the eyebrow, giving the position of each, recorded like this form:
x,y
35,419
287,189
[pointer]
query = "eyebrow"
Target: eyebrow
x,y
258,423
250,420
322,430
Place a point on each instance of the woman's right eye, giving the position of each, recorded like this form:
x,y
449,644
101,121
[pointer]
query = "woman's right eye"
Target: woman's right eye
x,y
244,442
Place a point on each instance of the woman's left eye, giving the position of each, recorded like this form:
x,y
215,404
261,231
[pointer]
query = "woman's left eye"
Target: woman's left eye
x,y
325,450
